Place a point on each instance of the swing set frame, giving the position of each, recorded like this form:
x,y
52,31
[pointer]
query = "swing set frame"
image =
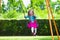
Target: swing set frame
x,y
50,22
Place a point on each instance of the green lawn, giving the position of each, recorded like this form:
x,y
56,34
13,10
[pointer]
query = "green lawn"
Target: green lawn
x,y
27,38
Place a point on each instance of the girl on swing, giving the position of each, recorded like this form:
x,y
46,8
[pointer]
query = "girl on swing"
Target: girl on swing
x,y
32,24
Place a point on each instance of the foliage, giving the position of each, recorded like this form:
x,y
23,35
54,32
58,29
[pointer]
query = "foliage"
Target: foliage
x,y
10,14
38,6
19,27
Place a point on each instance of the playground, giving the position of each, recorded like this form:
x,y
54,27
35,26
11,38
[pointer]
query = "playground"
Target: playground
x,y
13,25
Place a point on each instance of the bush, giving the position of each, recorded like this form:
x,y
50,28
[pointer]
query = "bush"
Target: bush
x,y
19,27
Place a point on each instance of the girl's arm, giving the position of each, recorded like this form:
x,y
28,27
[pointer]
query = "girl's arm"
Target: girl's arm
x,y
25,16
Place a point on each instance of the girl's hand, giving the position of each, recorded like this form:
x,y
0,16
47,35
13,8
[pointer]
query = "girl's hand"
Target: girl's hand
x,y
25,17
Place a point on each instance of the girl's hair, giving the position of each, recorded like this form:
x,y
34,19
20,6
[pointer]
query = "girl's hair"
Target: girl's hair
x,y
29,12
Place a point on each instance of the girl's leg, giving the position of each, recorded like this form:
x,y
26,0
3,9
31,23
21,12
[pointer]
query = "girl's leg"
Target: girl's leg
x,y
35,29
32,30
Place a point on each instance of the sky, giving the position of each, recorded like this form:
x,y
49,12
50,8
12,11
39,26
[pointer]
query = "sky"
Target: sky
x,y
26,2
54,0
5,2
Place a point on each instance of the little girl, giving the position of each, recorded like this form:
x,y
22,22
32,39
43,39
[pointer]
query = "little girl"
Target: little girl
x,y
32,22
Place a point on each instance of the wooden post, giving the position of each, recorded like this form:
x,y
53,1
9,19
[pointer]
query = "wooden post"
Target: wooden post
x,y
55,25
0,2
49,13
0,6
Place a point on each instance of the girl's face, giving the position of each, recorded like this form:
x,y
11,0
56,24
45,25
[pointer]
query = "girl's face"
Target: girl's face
x,y
31,13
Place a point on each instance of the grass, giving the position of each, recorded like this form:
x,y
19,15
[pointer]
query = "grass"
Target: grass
x,y
27,38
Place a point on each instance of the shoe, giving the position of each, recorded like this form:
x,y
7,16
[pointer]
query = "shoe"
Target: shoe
x,y
34,34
